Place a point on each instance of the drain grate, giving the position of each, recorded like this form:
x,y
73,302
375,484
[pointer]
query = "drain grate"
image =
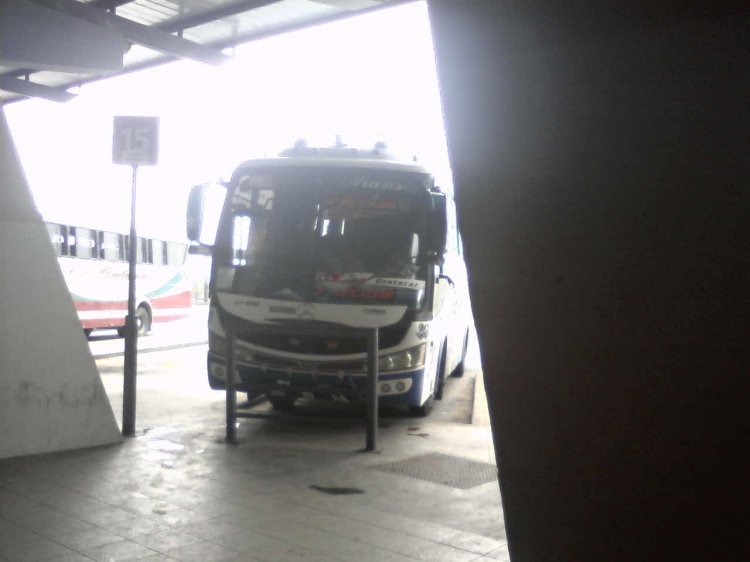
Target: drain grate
x,y
456,472
336,491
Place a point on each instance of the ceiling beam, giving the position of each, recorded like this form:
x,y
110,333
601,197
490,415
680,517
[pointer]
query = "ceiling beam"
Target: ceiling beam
x,y
32,89
33,36
142,34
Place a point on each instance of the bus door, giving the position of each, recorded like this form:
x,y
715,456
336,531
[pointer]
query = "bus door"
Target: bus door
x,y
450,282
444,284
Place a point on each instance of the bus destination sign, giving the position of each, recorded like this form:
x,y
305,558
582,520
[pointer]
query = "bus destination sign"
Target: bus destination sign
x,y
135,141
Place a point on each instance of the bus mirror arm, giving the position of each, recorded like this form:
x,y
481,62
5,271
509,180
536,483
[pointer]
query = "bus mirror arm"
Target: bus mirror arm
x,y
438,259
447,278
200,250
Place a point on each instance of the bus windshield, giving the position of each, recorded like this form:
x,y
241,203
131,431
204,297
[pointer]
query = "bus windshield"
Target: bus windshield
x,y
333,236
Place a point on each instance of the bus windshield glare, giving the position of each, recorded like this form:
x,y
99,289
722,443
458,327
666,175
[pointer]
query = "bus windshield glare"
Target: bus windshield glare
x,y
327,236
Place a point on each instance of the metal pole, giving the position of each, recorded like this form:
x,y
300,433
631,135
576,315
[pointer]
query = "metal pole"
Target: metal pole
x,y
372,390
131,335
231,397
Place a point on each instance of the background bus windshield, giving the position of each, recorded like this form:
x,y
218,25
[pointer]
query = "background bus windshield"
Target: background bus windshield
x,y
333,236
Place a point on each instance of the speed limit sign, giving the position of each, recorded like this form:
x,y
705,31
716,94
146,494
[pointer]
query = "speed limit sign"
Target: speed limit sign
x,y
135,141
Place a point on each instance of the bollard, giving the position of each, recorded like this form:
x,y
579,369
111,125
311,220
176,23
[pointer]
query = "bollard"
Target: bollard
x,y
372,390
231,391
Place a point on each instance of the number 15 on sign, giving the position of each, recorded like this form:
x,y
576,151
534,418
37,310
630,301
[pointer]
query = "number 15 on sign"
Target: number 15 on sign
x,y
135,141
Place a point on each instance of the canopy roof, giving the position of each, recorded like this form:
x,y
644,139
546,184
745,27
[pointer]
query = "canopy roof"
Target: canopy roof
x,y
50,46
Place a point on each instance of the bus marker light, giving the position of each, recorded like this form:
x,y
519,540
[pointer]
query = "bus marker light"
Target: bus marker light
x,y
218,371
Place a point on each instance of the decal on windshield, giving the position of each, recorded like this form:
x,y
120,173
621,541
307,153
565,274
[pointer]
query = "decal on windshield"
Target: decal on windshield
x,y
358,201
350,286
414,284
364,286
363,205
369,183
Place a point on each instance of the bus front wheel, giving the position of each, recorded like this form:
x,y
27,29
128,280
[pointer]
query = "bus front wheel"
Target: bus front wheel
x,y
461,367
437,392
142,321
282,403
425,409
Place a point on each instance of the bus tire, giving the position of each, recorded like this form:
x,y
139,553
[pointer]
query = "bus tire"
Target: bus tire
x,y
437,391
460,369
142,321
440,375
424,410
282,403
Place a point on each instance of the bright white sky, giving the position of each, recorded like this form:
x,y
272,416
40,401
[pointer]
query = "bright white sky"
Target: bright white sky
x,y
367,78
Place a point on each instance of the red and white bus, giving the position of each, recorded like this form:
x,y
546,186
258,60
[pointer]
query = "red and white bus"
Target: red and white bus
x,y
94,264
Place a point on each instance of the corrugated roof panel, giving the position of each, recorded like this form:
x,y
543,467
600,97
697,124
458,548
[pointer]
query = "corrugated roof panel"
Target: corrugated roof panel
x,y
286,12
197,7
154,12
352,4
149,12
260,21
211,32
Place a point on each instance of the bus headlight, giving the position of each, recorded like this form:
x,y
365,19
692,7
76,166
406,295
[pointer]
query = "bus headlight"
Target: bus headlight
x,y
219,371
243,354
217,344
403,360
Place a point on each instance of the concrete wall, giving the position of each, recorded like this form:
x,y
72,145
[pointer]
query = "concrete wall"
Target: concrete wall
x,y
601,162
51,396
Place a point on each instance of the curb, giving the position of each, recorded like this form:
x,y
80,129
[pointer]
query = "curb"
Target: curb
x,y
149,349
480,414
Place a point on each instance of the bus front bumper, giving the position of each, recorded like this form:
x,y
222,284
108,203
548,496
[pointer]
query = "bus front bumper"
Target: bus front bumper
x,y
399,388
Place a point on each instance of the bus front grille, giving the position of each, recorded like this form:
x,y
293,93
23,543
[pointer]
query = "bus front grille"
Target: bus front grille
x,y
313,344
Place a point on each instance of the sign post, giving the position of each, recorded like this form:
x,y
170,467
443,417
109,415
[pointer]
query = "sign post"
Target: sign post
x,y
135,142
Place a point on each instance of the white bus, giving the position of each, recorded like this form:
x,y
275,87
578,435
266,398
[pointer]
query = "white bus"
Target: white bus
x,y
94,264
334,238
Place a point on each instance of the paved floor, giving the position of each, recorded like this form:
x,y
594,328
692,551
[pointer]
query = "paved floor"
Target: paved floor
x,y
294,488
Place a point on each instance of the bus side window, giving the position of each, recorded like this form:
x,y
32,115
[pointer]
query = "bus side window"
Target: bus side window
x,y
110,246
158,252
58,237
241,240
83,243
141,250
175,253
144,250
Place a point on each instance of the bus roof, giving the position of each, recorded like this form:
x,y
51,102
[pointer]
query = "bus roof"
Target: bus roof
x,y
325,161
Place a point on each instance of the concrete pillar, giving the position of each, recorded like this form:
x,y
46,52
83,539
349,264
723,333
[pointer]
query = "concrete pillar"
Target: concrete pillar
x,y
51,396
601,166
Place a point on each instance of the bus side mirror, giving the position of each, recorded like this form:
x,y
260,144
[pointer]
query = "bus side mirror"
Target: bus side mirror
x,y
439,223
437,259
203,212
